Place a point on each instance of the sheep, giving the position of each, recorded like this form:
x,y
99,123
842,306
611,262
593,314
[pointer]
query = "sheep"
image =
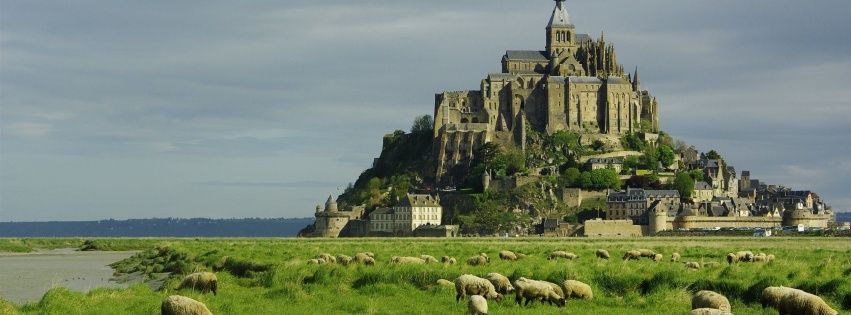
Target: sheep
x,y
181,305
708,311
202,281
536,290
448,260
477,305
370,254
478,260
710,264
731,258
761,257
647,253
573,288
769,258
485,255
444,282
675,257
745,256
556,288
369,261
428,259
507,255
799,302
472,285
314,261
771,296
500,283
327,257
562,254
632,255
344,259
657,258
361,257
691,265
602,253
710,299
407,260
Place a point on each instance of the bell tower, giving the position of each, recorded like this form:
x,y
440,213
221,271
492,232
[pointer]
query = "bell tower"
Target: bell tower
x,y
561,36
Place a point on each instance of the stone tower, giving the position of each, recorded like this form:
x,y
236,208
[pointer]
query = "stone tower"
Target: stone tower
x,y
560,31
658,213
330,222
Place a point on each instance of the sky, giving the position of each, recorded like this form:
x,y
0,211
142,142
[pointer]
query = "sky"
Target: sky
x,y
235,109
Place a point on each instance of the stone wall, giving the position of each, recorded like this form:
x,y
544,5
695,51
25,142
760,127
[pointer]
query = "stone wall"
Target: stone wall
x,y
574,196
613,228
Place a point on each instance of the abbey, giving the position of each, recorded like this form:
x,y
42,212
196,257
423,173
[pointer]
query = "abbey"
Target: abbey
x,y
575,84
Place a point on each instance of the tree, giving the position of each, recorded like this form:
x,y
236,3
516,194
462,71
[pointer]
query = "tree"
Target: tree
x,y
666,155
423,125
680,146
638,181
570,178
696,175
684,184
650,159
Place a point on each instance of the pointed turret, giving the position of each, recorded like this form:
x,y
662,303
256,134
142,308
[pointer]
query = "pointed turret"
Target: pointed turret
x,y
560,17
636,82
560,31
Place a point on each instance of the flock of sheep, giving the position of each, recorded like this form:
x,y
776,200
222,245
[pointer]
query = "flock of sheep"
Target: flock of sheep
x,y
494,286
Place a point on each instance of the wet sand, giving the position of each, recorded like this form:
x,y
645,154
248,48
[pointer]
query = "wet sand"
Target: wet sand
x,y
26,277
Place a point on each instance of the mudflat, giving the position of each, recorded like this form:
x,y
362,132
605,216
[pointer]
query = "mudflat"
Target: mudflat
x,y
25,277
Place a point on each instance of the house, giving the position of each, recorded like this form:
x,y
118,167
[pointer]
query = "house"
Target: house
x,y
702,192
604,163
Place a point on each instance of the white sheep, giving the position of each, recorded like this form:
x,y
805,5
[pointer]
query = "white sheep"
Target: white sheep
x,y
657,258
472,285
478,260
562,254
692,264
602,253
327,257
761,257
201,281
369,261
477,305
448,260
771,296
428,259
344,259
314,261
407,260
647,253
710,299
507,255
500,282
708,311
556,288
444,282
675,257
537,291
799,302
360,257
181,305
632,255
731,258
577,289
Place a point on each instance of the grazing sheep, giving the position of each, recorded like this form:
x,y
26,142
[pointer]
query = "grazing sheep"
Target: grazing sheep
x,y
632,255
556,288
344,259
657,258
675,257
201,281
370,254
407,260
360,257
369,261
428,259
448,260
710,264
771,296
710,299
507,255
769,258
602,253
708,311
761,257
314,261
327,257
181,305
745,256
485,255
579,290
647,253
536,290
444,282
478,260
731,258
500,282
562,254
692,265
799,302
477,305
472,285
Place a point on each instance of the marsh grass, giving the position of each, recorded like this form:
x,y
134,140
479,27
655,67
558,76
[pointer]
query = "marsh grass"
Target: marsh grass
x,y
270,276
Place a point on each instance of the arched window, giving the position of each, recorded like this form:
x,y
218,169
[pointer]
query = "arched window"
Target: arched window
x,y
475,120
464,120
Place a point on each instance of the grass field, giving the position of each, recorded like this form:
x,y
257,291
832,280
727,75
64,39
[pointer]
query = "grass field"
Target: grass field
x,y
271,276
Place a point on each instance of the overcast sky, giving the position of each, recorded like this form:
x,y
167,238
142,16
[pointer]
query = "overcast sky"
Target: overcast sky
x,y
232,109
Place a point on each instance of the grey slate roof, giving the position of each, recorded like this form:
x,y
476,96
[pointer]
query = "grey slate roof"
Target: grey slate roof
x,y
584,80
579,38
560,16
702,186
533,55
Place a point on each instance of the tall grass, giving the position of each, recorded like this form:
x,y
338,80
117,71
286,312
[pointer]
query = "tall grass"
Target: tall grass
x,y
270,276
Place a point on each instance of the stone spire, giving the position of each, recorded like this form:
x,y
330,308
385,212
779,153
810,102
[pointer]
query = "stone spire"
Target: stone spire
x,y
560,16
636,82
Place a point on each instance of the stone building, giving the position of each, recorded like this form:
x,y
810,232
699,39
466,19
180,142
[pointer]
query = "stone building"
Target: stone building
x,y
410,213
575,84
331,222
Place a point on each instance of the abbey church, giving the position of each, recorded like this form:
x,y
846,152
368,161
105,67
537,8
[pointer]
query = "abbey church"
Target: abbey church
x,y
575,84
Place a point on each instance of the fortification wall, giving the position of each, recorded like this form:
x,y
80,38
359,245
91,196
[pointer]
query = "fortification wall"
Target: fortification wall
x,y
613,228
694,222
574,196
